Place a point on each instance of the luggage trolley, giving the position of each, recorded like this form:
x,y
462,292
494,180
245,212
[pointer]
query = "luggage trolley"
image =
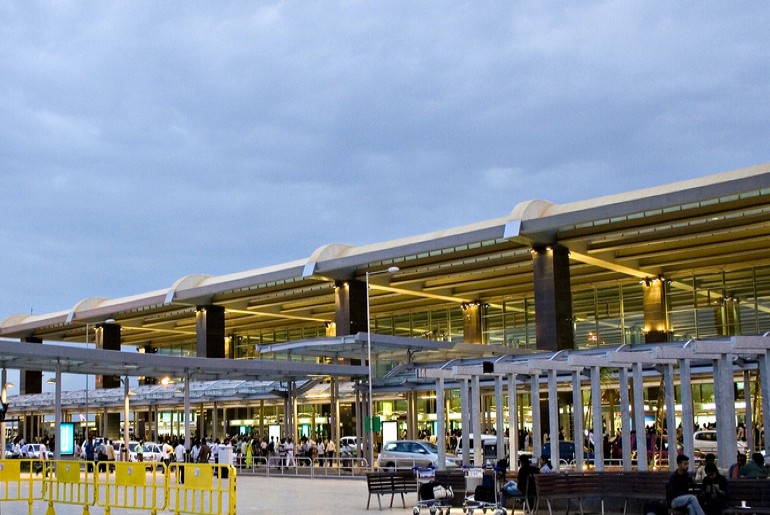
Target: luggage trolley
x,y
482,481
426,481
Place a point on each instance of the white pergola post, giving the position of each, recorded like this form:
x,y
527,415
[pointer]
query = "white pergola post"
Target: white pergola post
x,y
625,417
440,424
499,418
641,432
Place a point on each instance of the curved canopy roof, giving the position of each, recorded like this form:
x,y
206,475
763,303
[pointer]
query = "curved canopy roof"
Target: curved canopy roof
x,y
675,230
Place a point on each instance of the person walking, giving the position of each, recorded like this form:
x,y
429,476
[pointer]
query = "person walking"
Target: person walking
x,y
203,456
321,450
331,450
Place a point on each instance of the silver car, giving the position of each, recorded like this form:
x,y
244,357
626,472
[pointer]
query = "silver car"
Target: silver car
x,y
405,454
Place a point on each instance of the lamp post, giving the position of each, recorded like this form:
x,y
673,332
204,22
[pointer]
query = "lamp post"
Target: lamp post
x,y
390,270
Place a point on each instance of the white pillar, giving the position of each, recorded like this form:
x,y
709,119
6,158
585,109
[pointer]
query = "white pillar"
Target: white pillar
x,y
553,419
465,419
440,424
537,426
625,418
478,448
668,381
499,418
641,433
596,411
688,414
577,414
513,423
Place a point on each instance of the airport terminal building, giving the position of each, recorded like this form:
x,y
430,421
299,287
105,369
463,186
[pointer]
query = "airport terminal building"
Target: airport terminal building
x,y
658,267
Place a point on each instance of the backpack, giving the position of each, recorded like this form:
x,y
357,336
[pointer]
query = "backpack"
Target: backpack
x,y
484,494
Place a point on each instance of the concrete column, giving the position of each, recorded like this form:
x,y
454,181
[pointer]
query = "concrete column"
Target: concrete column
x,y
688,412
747,412
553,298
668,381
537,426
724,397
598,422
30,381
210,331
107,338
472,332
350,307
465,420
499,418
412,430
440,424
513,423
641,433
149,349
3,399
625,418
476,420
654,303
577,414
764,369
553,420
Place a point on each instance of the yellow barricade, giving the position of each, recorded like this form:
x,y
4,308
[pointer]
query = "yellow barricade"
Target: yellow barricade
x,y
201,488
132,485
22,480
68,482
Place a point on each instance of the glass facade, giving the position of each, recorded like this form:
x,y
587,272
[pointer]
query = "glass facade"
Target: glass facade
x,y
703,306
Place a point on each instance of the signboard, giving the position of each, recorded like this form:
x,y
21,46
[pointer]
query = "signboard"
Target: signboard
x,y
274,433
389,431
66,439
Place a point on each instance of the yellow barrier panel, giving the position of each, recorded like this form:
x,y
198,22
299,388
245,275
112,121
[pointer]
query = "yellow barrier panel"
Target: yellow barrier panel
x,y
132,485
201,489
68,482
18,482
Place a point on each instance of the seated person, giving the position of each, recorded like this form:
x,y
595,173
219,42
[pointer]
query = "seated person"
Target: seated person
x,y
680,486
545,465
713,493
700,474
523,484
735,468
755,468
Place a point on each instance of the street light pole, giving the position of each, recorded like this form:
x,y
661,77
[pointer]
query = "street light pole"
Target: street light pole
x,y
390,270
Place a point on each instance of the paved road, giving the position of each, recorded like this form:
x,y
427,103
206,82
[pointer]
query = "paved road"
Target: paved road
x,y
274,495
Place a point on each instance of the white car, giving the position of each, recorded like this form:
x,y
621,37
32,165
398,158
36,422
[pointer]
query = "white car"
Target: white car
x,y
33,451
705,442
489,443
406,454
351,442
151,452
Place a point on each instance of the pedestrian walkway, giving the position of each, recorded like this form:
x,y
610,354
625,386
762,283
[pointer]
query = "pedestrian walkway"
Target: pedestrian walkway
x,y
273,495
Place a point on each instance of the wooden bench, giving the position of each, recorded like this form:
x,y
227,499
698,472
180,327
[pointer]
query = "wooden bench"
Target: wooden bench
x,y
639,486
754,491
390,483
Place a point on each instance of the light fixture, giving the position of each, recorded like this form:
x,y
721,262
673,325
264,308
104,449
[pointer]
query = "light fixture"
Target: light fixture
x,y
8,386
50,380
166,381
391,270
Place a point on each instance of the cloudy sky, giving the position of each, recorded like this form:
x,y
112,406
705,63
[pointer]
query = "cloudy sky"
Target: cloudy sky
x,y
144,141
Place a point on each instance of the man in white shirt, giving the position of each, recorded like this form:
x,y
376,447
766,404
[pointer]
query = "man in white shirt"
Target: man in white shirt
x,y
179,457
290,461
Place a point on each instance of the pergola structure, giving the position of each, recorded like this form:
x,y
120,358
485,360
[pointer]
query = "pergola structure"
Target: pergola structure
x,y
723,359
